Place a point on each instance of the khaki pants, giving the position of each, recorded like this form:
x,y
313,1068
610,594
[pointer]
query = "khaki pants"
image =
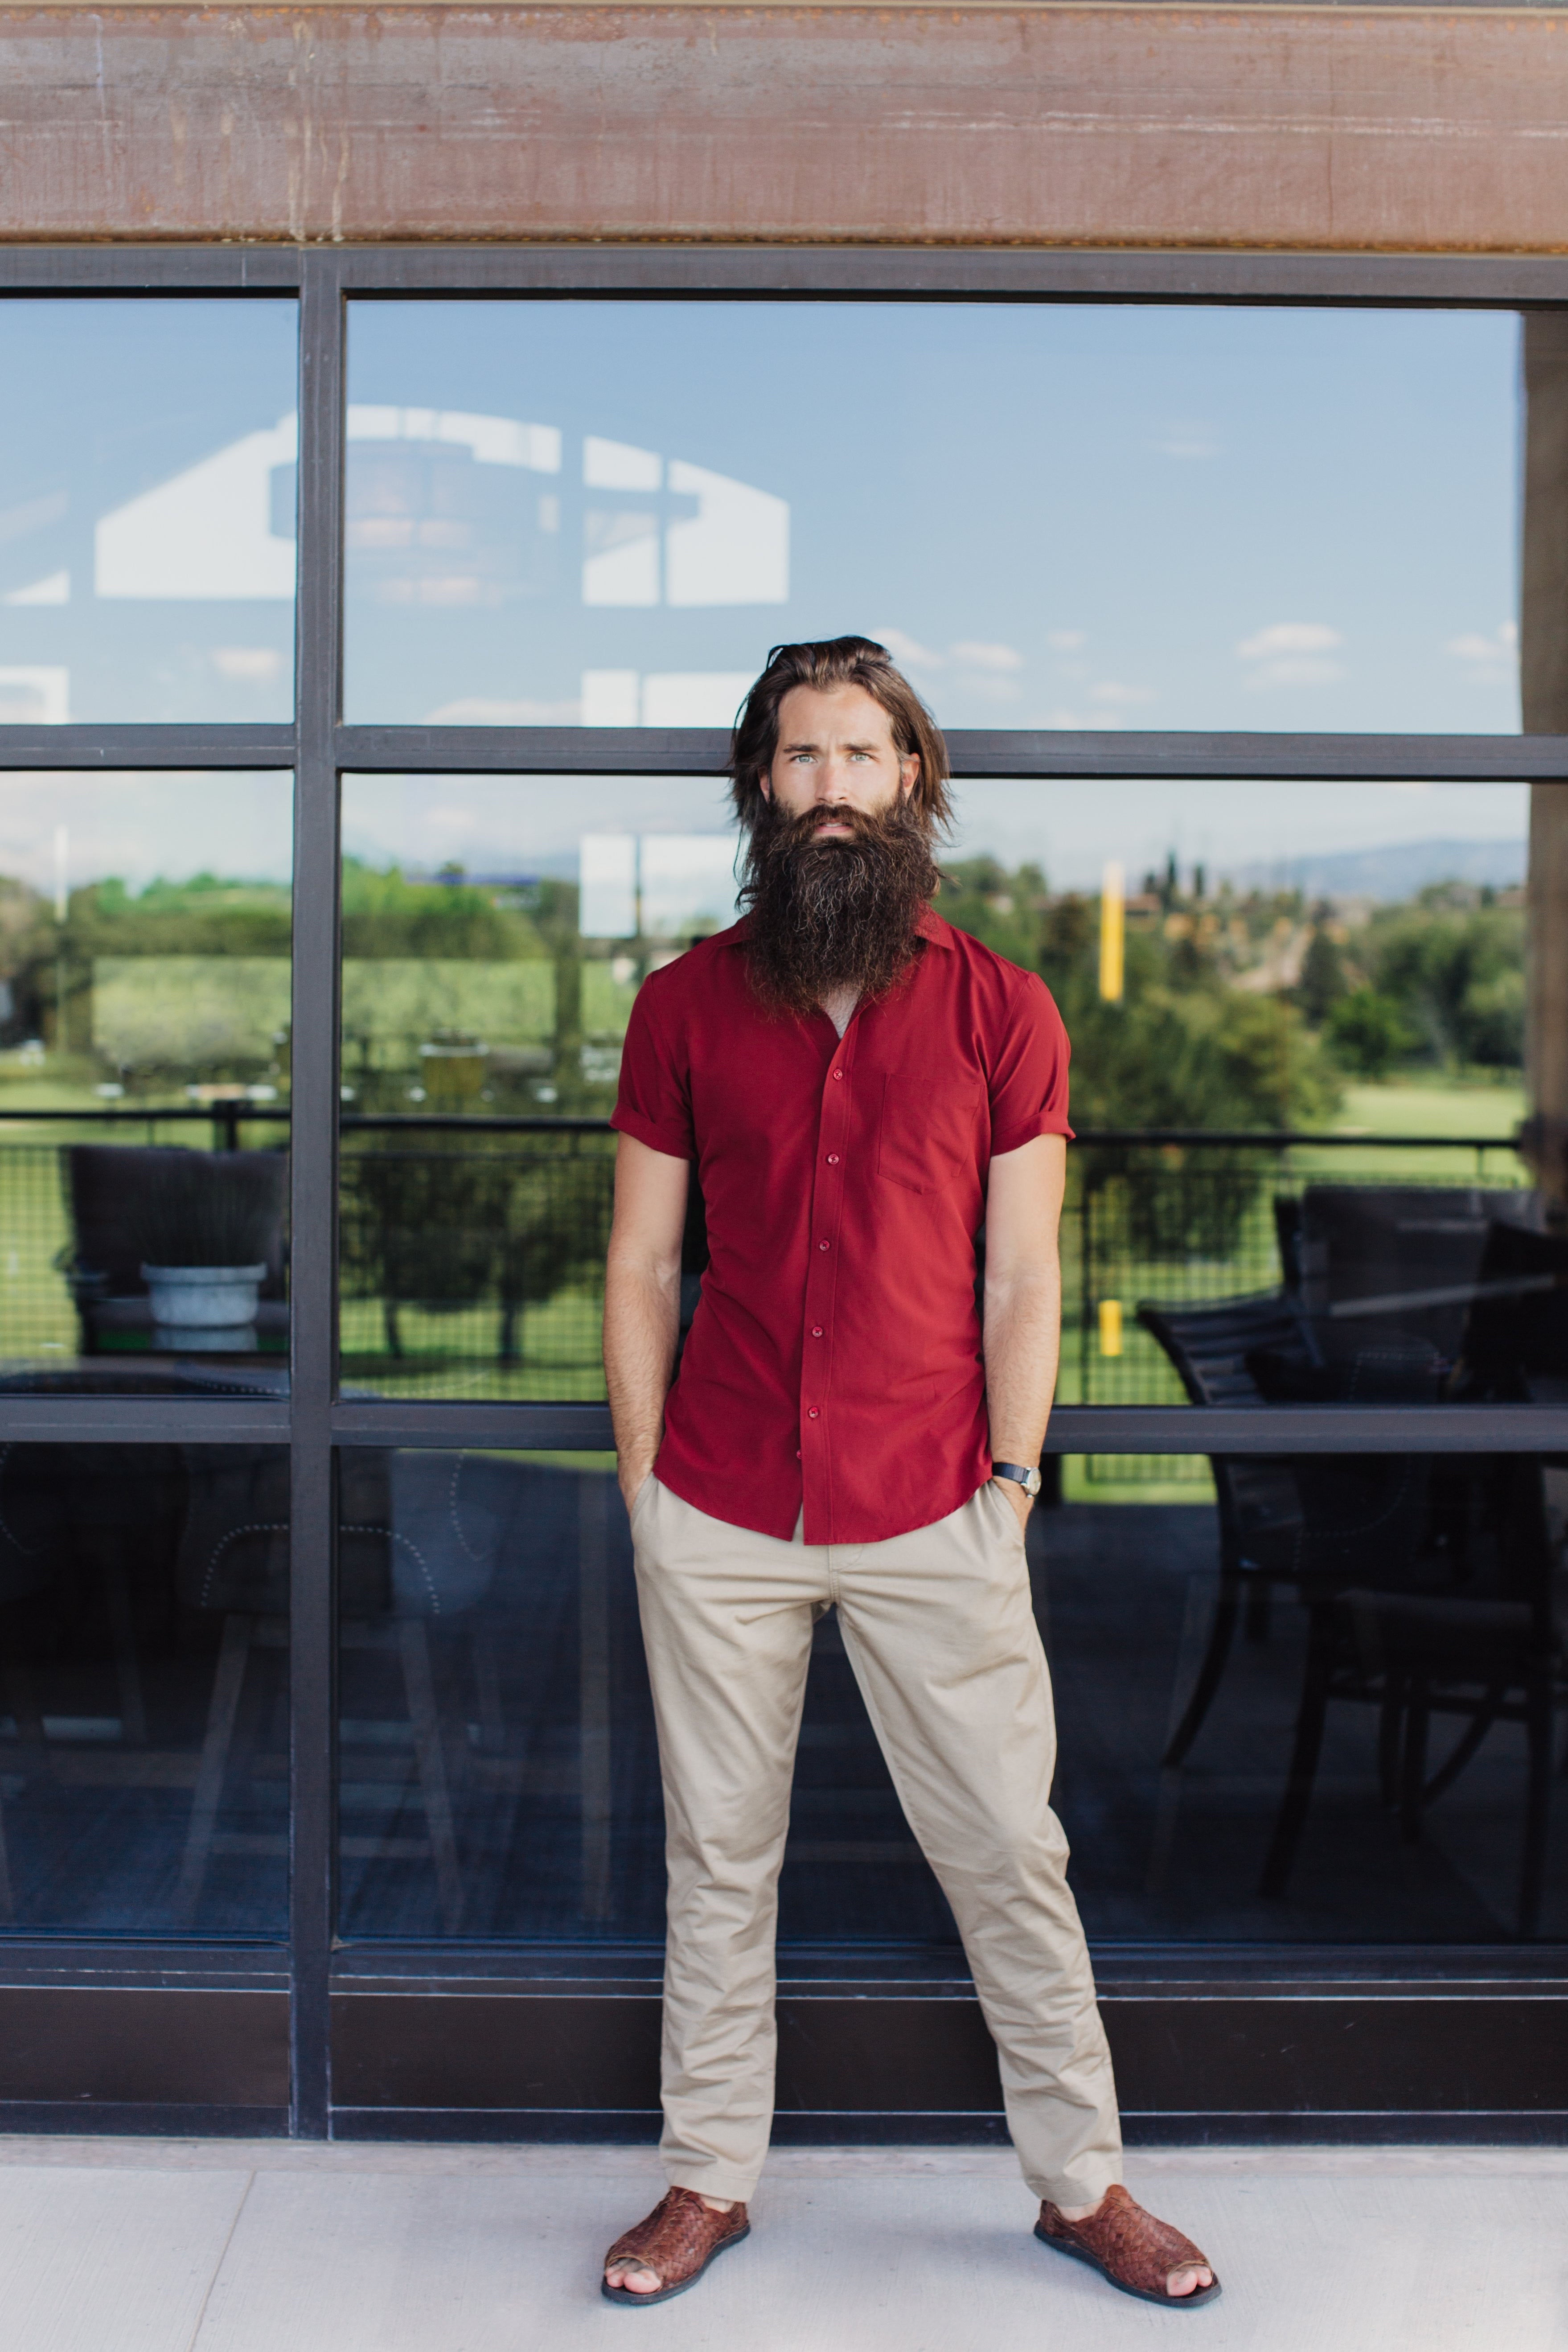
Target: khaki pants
x,y
942,1638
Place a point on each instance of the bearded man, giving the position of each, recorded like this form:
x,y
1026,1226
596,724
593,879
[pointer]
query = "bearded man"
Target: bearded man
x,y
860,1086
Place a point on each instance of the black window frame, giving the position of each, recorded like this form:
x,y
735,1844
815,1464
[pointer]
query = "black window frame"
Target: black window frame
x,y
320,750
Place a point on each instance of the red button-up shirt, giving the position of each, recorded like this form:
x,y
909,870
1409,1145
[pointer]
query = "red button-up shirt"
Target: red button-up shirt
x,y
835,1359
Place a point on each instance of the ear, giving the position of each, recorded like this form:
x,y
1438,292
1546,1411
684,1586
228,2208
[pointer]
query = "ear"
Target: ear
x,y
765,785
909,774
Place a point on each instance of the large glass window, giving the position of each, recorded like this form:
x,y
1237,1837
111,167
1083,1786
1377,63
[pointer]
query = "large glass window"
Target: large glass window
x,y
1058,515
1307,1696
144,1094
147,499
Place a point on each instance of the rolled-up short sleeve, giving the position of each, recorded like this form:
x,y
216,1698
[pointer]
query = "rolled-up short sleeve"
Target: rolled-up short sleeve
x,y
1029,1075
654,1103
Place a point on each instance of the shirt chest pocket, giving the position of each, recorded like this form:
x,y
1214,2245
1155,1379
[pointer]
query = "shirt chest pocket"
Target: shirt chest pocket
x,y
929,1129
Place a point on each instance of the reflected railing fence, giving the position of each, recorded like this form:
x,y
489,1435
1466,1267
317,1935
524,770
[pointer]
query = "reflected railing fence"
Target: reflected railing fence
x,y
472,1248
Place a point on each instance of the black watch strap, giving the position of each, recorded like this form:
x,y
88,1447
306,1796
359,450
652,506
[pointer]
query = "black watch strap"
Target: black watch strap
x,y
1028,1479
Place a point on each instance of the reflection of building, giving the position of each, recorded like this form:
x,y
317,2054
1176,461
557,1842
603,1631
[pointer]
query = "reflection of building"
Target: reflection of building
x,y
655,885
449,512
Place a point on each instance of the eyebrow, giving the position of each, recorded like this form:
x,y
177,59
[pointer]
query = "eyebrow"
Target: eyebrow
x,y
806,745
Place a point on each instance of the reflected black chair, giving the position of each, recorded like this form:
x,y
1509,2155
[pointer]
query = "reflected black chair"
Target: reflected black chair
x,y
106,1186
234,1557
1260,1510
1487,1650
1397,1260
1486,1653
1293,1520
1516,1329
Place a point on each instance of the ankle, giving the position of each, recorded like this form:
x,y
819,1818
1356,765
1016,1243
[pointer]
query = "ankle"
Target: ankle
x,y
718,2204
1081,2212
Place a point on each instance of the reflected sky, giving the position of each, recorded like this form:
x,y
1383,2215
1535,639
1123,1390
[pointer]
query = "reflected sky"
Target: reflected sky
x,y
178,826
147,510
1395,838
1056,515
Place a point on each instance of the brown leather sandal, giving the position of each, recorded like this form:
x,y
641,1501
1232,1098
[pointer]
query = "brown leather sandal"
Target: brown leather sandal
x,y
1129,2248
678,2242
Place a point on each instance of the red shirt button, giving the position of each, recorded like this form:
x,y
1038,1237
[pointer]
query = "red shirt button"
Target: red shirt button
x,y
812,1413
822,1245
839,1073
833,1159
817,1330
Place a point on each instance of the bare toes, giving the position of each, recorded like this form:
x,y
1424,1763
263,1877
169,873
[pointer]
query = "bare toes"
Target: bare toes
x,y
636,2281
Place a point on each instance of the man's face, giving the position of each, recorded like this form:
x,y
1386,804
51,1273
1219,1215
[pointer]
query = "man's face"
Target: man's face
x,y
835,750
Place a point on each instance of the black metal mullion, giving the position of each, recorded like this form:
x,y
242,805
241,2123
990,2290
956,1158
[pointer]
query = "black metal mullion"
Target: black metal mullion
x,y
1075,1428
105,748
184,1420
1016,754
808,272
976,754
313,1189
183,270
959,273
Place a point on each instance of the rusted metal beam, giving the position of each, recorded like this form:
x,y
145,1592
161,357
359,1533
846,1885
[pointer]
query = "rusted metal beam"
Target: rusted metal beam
x,y
1339,129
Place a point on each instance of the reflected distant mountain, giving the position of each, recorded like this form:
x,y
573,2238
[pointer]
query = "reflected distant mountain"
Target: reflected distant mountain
x,y
1396,872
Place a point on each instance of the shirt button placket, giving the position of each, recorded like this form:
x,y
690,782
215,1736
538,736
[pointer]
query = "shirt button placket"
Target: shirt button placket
x,y
821,1282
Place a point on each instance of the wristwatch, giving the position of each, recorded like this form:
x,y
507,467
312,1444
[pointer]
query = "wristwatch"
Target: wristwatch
x,y
1030,1480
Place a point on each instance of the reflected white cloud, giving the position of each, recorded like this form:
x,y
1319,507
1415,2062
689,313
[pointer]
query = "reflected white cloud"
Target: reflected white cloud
x,y
1291,652
976,655
247,665
906,650
1289,637
1489,659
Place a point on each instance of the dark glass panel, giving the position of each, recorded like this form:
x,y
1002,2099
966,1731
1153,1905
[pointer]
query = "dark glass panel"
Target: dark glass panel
x,y
144,1731
1325,1711
1370,1758
499,1768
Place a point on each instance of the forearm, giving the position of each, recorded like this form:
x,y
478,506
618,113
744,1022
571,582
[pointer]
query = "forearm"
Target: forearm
x,y
642,1323
1022,1345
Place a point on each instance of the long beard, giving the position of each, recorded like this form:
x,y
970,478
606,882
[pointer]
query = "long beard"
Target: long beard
x,y
837,915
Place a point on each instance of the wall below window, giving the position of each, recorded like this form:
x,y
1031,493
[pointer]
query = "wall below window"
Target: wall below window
x,y
1230,2051
1359,130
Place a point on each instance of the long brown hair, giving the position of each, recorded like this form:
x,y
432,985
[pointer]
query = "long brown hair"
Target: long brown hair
x,y
828,663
